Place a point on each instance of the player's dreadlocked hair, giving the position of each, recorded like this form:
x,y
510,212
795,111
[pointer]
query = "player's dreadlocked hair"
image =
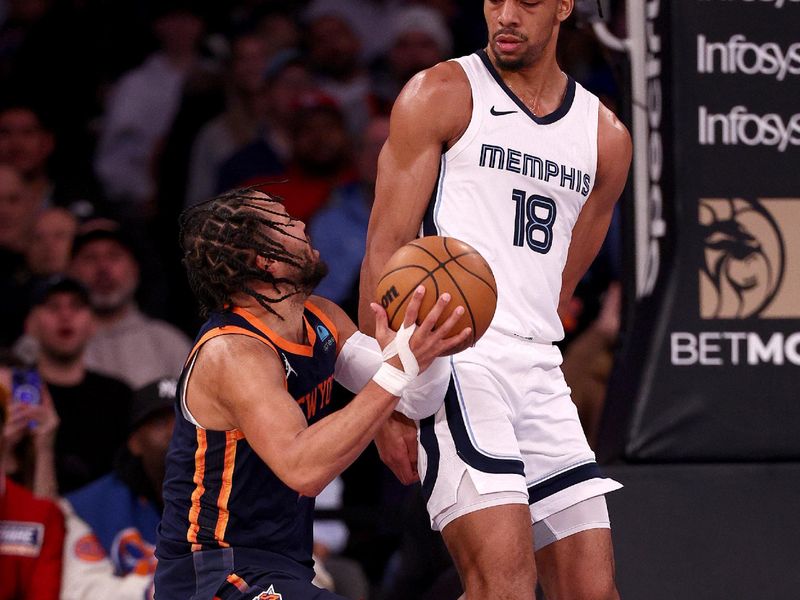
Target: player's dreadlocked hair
x,y
221,238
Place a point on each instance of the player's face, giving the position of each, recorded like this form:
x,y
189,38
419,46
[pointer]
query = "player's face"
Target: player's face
x,y
521,30
294,238
62,326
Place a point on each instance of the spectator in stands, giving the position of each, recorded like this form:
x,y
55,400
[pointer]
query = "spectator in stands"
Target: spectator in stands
x,y
110,553
51,242
18,211
142,106
321,158
128,344
368,19
334,58
221,137
287,81
419,38
31,537
26,144
276,26
29,434
61,322
339,229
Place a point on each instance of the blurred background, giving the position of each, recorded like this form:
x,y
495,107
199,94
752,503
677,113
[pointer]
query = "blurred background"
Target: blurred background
x,y
682,346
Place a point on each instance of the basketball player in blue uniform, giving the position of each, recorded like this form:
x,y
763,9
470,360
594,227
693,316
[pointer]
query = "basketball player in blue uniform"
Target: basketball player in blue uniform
x,y
508,153
257,433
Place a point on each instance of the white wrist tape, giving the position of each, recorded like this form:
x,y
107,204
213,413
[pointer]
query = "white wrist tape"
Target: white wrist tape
x,y
391,379
399,346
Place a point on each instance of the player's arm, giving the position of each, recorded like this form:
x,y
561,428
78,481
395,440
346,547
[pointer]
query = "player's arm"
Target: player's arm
x,y
432,110
614,158
306,458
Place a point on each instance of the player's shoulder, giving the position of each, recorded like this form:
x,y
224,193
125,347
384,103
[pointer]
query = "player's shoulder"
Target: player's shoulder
x,y
437,100
230,352
612,133
443,82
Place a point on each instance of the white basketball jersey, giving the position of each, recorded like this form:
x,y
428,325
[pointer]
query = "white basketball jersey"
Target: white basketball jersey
x,y
512,187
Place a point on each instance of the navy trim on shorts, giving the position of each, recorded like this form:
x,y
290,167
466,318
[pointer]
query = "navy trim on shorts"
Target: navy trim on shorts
x,y
466,451
427,437
562,481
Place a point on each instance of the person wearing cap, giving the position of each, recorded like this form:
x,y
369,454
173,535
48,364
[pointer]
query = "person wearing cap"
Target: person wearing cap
x,y
90,407
31,536
127,344
111,523
418,39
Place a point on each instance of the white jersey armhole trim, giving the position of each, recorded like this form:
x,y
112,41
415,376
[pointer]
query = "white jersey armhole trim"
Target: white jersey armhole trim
x,y
182,393
476,118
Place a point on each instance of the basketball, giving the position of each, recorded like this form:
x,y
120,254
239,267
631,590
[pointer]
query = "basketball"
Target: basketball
x,y
441,264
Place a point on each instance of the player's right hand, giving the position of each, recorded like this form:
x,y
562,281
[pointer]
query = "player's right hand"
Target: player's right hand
x,y
397,446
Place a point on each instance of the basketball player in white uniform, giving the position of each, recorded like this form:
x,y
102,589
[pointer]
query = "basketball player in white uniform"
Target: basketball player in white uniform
x,y
503,150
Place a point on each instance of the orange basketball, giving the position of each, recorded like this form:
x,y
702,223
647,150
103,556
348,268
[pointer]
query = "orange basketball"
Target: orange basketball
x,y
441,264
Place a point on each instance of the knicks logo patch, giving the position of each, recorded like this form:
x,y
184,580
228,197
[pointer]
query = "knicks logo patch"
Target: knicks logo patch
x,y
133,554
270,594
749,251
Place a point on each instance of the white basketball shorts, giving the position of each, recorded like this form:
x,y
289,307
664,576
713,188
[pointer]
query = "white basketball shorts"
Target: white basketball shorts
x,y
508,423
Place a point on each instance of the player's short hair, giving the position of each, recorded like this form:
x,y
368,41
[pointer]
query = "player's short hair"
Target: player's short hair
x,y
220,240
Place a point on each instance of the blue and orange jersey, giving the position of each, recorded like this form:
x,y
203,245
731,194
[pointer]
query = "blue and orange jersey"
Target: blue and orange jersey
x,y
218,493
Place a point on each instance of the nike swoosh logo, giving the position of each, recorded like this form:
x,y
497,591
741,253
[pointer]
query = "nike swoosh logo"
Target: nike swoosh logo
x,y
500,113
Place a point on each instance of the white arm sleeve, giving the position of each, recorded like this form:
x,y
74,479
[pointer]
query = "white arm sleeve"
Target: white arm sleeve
x,y
359,360
425,395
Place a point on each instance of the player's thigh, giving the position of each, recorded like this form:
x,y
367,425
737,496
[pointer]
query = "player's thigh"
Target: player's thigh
x,y
493,548
471,436
574,553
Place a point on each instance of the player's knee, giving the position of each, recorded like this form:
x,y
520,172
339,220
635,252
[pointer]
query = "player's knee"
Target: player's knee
x,y
512,579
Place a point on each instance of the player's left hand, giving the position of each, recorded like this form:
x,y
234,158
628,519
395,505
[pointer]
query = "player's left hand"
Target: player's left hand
x,y
428,340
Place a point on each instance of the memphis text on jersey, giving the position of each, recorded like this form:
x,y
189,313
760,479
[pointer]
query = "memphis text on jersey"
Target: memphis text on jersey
x,y
515,161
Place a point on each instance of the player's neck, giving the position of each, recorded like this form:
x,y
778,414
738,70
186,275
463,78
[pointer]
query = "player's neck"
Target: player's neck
x,y
286,321
541,85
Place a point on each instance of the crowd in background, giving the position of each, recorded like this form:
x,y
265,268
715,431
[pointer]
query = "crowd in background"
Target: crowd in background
x,y
114,117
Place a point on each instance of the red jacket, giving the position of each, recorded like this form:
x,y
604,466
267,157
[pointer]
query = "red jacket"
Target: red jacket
x,y
31,546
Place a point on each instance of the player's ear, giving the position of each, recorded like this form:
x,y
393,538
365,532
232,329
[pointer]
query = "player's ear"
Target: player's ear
x,y
564,9
263,263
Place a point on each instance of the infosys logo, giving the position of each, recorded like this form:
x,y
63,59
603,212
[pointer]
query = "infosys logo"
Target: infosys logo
x,y
737,55
739,126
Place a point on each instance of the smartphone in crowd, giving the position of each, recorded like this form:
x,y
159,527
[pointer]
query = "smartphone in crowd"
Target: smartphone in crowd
x,y
26,388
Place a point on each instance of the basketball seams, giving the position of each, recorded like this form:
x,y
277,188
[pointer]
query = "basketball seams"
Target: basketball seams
x,y
465,304
459,278
455,258
410,292
478,277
